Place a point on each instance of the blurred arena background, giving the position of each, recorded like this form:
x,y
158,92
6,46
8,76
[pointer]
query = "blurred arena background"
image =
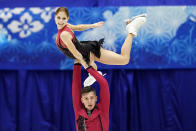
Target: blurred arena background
x,y
154,92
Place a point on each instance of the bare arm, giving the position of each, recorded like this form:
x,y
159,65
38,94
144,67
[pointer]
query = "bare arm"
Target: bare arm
x,y
67,39
82,27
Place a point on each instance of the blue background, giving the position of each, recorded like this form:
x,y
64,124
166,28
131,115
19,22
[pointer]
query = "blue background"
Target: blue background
x,y
166,40
154,92
94,3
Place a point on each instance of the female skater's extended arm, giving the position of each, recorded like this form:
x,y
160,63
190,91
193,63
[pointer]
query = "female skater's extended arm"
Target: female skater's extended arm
x,y
82,27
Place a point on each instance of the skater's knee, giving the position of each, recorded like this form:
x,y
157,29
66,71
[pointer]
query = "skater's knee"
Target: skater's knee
x,y
125,61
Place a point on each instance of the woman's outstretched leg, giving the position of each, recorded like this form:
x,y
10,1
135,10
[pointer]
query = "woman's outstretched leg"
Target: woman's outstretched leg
x,y
112,58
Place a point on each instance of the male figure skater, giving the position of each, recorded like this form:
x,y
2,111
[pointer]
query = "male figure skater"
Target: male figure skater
x,y
90,116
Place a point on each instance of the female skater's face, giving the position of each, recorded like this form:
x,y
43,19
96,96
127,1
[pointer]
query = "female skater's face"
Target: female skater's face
x,y
89,100
61,19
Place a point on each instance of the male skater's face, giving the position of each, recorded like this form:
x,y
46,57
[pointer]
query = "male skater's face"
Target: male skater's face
x,y
89,100
61,19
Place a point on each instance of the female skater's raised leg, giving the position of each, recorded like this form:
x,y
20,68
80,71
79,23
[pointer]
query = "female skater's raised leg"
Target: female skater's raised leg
x,y
112,58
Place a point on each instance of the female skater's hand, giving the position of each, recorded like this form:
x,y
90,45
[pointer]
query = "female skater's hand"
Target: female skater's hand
x,y
84,64
98,24
76,61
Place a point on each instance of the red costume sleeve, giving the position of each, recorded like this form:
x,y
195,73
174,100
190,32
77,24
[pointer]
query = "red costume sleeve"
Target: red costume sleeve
x,y
104,103
76,88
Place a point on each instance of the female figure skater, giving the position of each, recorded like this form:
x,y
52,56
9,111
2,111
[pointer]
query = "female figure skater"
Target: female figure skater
x,y
90,51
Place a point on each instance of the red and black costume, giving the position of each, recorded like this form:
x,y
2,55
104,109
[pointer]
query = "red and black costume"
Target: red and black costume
x,y
84,47
99,119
